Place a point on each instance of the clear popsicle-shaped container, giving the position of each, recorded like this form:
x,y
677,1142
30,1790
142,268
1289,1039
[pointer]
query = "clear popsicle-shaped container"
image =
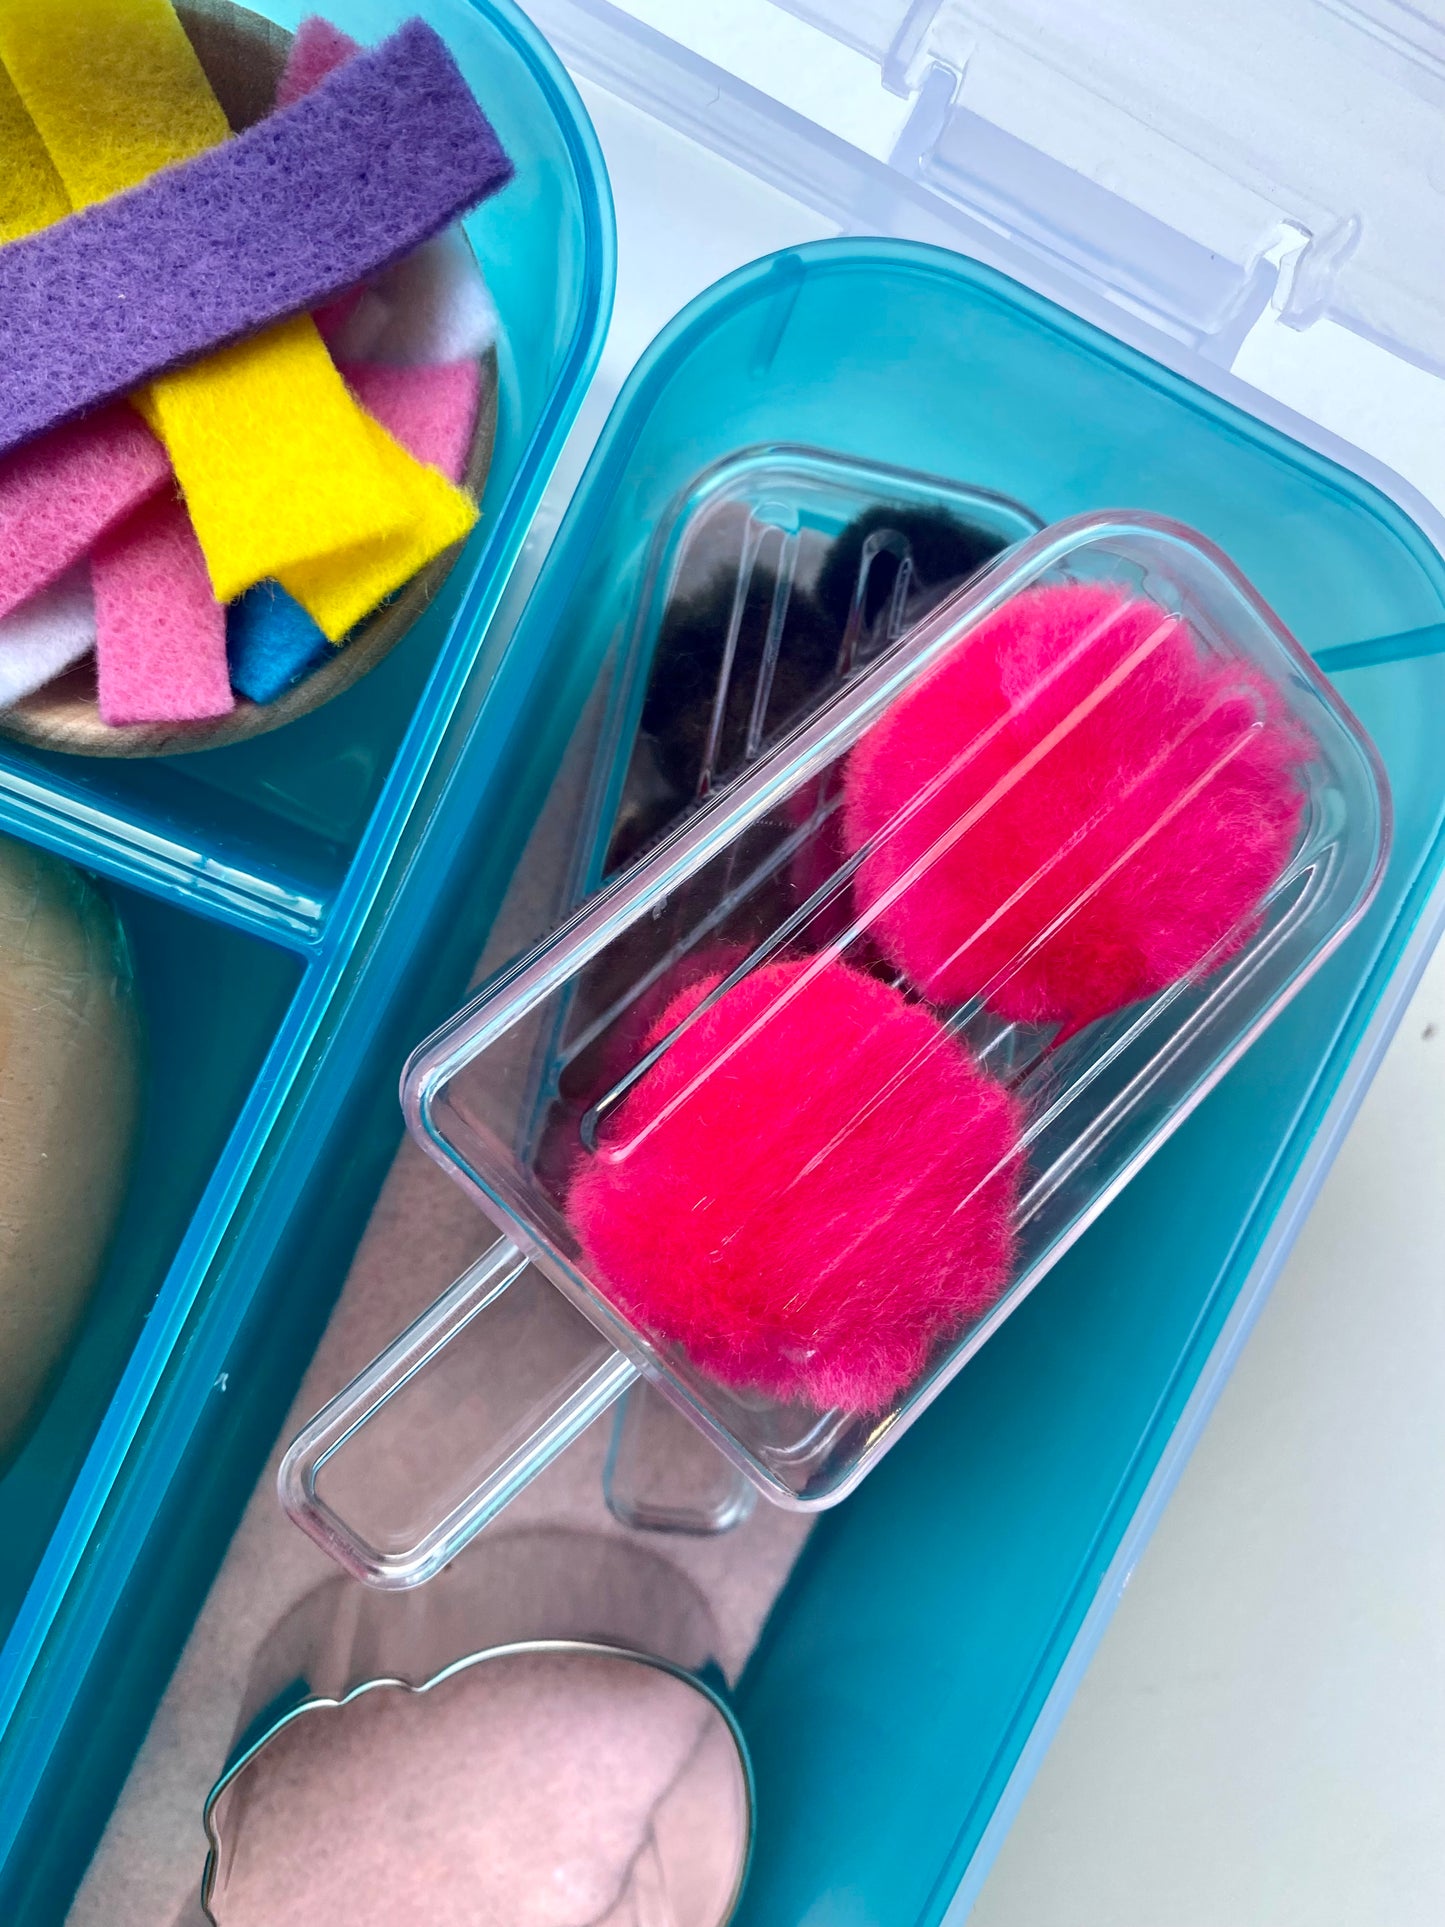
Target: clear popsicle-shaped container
x,y
765,882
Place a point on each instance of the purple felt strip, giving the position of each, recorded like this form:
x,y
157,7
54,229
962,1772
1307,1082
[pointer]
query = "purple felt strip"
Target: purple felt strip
x,y
387,150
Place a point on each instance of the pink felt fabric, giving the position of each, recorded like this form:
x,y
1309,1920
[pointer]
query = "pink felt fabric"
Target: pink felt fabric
x,y
432,412
317,50
46,635
62,492
160,633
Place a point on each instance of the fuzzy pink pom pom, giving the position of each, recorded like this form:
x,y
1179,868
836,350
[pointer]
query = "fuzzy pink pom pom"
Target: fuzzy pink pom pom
x,y
812,1186
1141,792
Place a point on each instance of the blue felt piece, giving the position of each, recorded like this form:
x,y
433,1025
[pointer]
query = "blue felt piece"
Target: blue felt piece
x,y
271,642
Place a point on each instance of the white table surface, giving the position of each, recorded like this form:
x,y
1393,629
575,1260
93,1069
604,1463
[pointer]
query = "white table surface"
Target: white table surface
x,y
1260,1739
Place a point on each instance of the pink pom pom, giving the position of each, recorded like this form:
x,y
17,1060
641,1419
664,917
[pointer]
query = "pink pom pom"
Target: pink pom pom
x,y
1153,826
811,1187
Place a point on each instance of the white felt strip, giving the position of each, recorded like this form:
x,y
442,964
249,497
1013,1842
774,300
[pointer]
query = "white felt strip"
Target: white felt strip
x,y
434,306
46,635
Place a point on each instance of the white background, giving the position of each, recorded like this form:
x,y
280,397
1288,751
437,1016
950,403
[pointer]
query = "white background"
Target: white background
x,y
1260,1740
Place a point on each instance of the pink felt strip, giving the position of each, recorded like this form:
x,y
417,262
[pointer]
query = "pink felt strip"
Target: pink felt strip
x,y
160,633
60,494
317,50
432,411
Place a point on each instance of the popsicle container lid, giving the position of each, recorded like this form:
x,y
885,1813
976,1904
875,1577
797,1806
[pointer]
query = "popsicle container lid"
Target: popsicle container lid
x,y
534,1090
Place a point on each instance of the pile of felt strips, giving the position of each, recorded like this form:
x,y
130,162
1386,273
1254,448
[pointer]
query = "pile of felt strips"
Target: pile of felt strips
x,y
239,372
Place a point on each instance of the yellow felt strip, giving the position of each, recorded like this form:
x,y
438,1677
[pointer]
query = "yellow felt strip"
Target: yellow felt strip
x,y
31,192
338,592
114,87
280,468
266,433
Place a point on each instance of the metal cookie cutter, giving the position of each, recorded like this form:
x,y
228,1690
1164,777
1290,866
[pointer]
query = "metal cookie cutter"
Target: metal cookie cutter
x,y
599,1603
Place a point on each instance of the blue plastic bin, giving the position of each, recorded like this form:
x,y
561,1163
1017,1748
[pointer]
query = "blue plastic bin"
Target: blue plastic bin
x,y
937,1620
333,887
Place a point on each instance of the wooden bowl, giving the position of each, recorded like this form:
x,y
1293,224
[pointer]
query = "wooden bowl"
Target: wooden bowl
x,y
243,55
